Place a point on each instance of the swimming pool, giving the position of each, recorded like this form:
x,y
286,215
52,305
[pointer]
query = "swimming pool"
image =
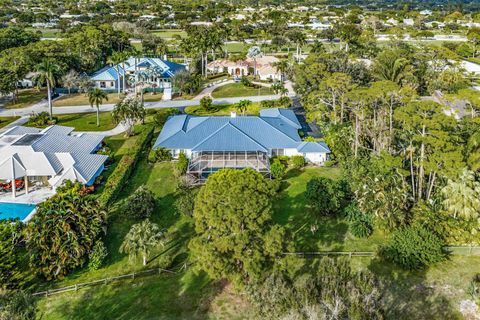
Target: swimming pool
x,y
15,210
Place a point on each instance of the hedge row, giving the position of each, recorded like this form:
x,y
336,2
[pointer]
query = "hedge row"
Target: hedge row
x,y
119,177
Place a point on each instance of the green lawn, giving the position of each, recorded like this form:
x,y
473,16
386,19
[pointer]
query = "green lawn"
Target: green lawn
x,y
48,32
332,234
80,99
222,110
236,47
430,294
4,121
84,121
239,90
25,98
169,33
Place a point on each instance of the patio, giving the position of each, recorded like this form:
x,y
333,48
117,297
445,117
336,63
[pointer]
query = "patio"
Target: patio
x,y
203,163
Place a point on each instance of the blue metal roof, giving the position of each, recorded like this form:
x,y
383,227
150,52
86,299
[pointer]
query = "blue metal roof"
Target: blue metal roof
x,y
109,73
231,133
307,147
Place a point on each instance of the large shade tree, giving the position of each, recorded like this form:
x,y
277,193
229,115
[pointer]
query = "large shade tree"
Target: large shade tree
x,y
235,237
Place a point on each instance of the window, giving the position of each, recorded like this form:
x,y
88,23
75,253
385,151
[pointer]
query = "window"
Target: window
x,y
103,84
278,152
112,84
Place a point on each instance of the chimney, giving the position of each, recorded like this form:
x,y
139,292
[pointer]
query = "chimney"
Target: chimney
x,y
233,114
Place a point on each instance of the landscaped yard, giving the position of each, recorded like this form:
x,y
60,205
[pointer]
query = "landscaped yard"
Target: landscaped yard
x,y
407,295
84,121
169,33
222,110
25,98
80,99
7,120
239,90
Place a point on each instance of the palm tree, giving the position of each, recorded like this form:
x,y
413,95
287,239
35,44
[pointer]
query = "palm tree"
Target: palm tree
x,y
243,105
282,66
391,65
70,80
47,72
115,59
462,197
96,96
254,53
128,112
141,238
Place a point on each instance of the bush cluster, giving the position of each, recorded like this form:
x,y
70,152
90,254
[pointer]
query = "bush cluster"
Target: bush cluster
x,y
159,155
283,102
97,255
327,196
140,204
277,169
117,180
42,119
361,224
181,166
413,247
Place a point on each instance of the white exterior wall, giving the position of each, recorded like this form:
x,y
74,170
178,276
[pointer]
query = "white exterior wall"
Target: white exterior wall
x,y
313,157
109,84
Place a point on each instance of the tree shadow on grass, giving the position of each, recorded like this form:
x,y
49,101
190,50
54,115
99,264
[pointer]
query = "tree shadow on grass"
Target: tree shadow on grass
x,y
407,294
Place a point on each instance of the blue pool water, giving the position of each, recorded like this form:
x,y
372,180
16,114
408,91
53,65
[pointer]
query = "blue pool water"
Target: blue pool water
x,y
15,210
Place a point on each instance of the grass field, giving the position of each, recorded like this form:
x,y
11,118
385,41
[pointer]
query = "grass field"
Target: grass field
x,y
47,32
169,33
431,294
239,90
4,121
80,99
25,98
222,110
84,121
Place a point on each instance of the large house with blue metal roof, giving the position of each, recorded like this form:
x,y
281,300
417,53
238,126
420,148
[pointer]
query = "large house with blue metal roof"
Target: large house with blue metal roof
x,y
155,71
213,143
49,156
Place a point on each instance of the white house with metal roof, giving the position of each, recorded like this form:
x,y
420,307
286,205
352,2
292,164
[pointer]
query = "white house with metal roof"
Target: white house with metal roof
x,y
49,156
213,143
150,70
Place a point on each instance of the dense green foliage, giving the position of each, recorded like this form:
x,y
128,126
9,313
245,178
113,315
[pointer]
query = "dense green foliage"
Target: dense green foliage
x,y
141,238
326,196
97,255
118,178
17,305
318,292
235,238
181,166
10,237
277,169
297,162
140,204
63,231
414,247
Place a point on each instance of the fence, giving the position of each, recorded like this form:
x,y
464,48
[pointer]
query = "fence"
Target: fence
x,y
463,250
104,281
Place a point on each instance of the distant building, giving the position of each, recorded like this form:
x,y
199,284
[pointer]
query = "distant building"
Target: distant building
x,y
265,67
156,71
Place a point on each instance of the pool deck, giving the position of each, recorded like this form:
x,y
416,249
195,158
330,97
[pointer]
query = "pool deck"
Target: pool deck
x,y
33,197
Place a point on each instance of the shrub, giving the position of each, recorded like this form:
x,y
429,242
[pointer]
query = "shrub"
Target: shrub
x,y
117,180
326,196
283,102
246,82
297,162
140,204
159,155
181,165
361,226
265,104
206,104
96,256
185,201
413,247
42,119
277,169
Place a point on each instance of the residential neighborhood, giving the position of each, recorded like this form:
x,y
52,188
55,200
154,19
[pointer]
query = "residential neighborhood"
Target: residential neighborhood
x,y
240,160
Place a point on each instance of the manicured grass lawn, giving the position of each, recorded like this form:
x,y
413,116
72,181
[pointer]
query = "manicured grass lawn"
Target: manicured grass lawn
x,y
47,32
239,90
84,121
80,99
223,110
169,33
235,47
25,98
7,120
